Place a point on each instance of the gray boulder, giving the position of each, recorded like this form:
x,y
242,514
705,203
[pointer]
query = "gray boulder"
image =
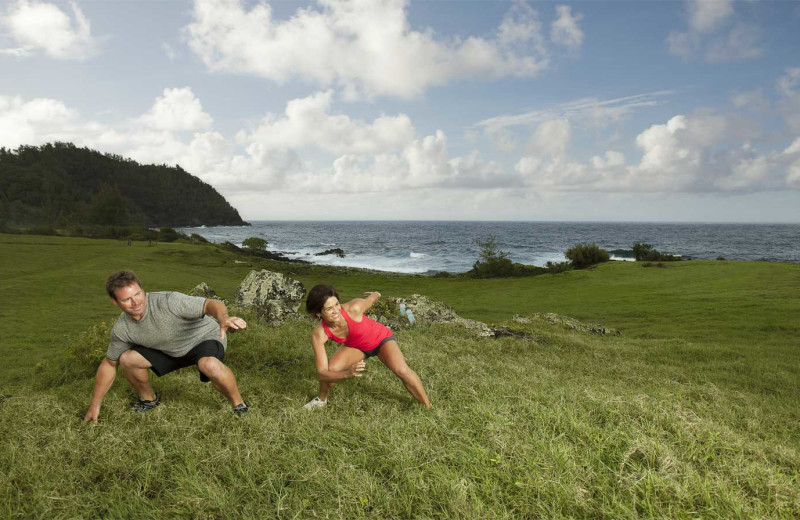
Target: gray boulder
x,y
204,291
566,321
427,310
274,296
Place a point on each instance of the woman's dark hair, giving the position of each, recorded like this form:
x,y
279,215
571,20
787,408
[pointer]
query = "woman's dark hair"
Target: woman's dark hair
x,y
119,280
317,297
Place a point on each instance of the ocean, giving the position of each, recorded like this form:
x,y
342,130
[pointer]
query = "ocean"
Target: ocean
x,y
435,246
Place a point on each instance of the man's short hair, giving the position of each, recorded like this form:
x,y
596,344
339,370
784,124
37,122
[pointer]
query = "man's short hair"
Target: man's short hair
x,y
119,280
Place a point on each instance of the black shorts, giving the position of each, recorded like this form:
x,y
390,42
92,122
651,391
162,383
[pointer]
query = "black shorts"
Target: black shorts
x,y
164,364
374,352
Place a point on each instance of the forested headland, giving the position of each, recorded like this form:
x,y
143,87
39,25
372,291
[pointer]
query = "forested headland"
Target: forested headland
x,y
61,186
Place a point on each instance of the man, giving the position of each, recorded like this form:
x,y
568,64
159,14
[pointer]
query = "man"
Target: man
x,y
164,331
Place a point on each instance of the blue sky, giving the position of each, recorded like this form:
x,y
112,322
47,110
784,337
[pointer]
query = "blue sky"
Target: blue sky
x,y
455,110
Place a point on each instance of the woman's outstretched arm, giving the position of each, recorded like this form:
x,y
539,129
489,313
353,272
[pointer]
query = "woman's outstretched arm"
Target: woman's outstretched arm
x,y
324,373
361,305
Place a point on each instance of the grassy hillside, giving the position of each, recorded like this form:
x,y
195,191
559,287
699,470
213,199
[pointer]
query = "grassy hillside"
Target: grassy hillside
x,y
691,412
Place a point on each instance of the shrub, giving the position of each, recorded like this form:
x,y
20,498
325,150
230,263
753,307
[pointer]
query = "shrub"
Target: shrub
x,y
558,267
493,263
167,234
586,255
230,247
197,239
255,245
645,252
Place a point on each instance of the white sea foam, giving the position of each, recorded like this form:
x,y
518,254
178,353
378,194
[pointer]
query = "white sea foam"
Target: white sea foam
x,y
417,255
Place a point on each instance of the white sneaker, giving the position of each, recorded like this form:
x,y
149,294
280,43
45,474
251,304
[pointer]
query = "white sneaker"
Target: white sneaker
x,y
315,403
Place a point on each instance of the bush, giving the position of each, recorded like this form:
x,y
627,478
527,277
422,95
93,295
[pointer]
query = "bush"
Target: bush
x,y
645,253
586,255
197,239
167,234
558,267
493,263
230,247
255,245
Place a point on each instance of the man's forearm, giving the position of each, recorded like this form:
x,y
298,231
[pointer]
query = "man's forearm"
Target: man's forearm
x,y
217,310
106,373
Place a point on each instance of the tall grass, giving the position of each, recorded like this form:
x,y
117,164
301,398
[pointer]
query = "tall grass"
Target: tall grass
x,y
691,414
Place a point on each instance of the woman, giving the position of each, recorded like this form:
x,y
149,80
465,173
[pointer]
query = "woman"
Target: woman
x,y
362,337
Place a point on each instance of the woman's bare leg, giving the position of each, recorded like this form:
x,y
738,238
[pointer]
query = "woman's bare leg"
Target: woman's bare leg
x,y
391,356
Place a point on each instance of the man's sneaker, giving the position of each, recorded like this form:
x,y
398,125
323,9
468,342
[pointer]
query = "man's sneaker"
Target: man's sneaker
x,y
241,409
315,403
140,405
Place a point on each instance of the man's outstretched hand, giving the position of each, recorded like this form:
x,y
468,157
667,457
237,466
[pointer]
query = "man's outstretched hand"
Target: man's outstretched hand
x,y
233,323
92,414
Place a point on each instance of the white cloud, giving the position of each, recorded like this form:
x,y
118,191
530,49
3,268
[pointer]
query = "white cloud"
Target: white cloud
x,y
565,30
698,153
789,81
176,110
789,104
742,42
591,111
307,122
550,138
35,122
44,26
753,99
707,15
170,51
366,48
712,36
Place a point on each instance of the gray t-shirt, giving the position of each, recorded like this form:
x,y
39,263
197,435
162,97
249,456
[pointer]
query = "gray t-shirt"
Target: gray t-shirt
x,y
173,323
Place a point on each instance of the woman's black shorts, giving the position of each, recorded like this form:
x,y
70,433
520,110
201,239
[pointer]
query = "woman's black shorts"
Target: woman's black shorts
x,y
374,352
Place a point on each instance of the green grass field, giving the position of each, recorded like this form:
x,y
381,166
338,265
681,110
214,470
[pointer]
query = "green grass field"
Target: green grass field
x,y
690,413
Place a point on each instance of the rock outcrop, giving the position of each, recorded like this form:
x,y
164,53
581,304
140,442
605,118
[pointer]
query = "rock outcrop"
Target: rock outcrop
x,y
335,251
566,321
427,310
274,296
205,291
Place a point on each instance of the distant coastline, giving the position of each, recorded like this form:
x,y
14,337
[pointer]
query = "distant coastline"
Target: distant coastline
x,y
415,246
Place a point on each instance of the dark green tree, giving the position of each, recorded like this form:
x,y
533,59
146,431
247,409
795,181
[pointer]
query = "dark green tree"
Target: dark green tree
x,y
255,245
493,263
586,255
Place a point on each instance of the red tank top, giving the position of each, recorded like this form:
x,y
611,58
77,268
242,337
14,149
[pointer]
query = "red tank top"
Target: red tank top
x,y
363,335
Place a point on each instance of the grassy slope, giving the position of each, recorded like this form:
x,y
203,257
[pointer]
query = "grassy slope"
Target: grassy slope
x,y
692,412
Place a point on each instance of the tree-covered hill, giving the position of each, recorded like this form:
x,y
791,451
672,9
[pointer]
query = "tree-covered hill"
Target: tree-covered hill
x,y
60,185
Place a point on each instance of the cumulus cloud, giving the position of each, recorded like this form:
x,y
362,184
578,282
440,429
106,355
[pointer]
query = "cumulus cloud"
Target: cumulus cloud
x,y
704,152
176,110
551,137
307,122
36,121
713,36
366,48
707,15
789,103
565,30
44,26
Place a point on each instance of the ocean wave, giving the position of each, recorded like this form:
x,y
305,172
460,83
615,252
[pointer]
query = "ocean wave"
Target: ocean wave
x,y
417,255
